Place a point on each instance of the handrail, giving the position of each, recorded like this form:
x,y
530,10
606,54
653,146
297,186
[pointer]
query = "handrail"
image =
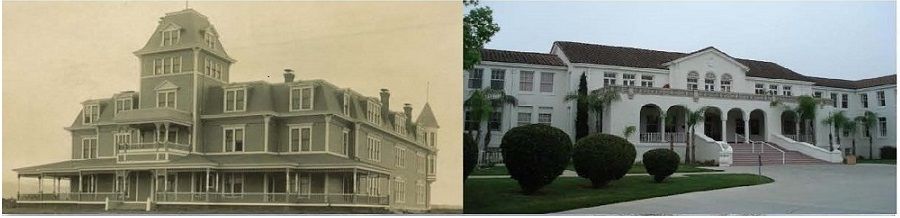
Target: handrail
x,y
834,156
776,148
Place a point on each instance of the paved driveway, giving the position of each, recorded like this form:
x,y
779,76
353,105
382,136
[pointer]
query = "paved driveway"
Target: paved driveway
x,y
798,189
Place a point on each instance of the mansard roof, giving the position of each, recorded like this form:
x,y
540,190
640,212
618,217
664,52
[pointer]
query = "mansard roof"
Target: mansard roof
x,y
193,27
858,84
521,57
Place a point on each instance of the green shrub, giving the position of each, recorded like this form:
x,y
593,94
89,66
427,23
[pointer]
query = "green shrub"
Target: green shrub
x,y
661,163
602,158
535,155
470,155
888,152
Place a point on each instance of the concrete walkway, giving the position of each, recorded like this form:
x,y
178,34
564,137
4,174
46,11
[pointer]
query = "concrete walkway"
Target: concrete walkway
x,y
569,173
798,189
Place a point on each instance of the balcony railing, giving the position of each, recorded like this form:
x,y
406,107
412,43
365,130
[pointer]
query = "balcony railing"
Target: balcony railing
x,y
630,91
656,137
295,198
156,146
74,196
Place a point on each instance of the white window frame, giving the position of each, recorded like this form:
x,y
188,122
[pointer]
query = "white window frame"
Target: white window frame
x,y
524,110
609,78
545,111
693,81
420,162
526,84
166,100
373,148
170,37
234,129
845,101
373,112
773,89
93,151
234,105
345,108
882,127
547,82
647,80
90,112
476,75
345,141
786,90
420,192
400,190
882,99
123,102
210,39
760,89
312,102
401,157
864,100
709,82
628,79
308,143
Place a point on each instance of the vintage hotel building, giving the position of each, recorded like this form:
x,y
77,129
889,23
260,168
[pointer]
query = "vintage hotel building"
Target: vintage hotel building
x,y
738,92
190,136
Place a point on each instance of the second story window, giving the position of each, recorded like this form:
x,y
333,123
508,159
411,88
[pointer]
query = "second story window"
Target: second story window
x,y
373,147
817,94
692,80
881,99
124,104
709,83
609,79
773,89
725,84
834,100
476,78
420,162
301,98
345,141
497,78
882,126
524,116
234,139
844,99
89,148
401,157
647,80
90,114
546,82
628,79
166,98
786,90
301,138
235,99
760,89
864,100
526,81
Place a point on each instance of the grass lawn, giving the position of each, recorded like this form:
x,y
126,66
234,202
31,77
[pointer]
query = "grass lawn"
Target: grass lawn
x,y
484,196
637,168
878,161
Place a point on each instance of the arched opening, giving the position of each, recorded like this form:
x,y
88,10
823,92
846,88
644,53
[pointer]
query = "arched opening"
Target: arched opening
x,y
650,123
757,125
712,123
709,83
734,125
692,79
789,124
675,124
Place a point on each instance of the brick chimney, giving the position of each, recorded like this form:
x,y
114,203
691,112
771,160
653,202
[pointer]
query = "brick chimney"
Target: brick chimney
x,y
385,102
407,108
288,75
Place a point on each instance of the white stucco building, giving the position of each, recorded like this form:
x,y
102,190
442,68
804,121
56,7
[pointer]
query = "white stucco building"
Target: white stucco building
x,y
738,92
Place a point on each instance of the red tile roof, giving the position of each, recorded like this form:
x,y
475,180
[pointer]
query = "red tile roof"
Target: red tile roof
x,y
521,57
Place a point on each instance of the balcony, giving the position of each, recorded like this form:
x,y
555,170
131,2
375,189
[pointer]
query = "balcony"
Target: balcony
x,y
655,137
630,91
202,197
151,151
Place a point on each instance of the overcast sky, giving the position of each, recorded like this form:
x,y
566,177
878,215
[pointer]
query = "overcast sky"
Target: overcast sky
x,y
846,40
58,54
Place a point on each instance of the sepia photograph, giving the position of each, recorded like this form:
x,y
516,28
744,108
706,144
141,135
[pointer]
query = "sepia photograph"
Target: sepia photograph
x,y
206,107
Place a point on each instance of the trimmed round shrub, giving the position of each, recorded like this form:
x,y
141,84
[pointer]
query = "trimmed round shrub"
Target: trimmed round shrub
x,y
888,152
535,155
602,158
661,163
470,155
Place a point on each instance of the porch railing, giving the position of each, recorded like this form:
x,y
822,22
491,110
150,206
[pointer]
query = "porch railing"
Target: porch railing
x,y
74,196
297,198
157,146
656,137
492,155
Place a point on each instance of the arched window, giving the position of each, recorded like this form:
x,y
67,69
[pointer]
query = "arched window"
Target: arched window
x,y
710,82
726,82
692,78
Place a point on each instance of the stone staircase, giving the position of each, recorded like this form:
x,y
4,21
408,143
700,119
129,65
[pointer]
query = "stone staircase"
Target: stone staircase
x,y
744,155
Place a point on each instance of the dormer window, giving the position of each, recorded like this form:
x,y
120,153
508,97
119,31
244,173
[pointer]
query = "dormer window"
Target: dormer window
x,y
210,39
399,124
235,99
170,37
91,114
124,104
373,112
346,105
301,98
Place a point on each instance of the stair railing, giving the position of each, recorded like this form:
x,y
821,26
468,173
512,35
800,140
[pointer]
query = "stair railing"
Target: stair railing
x,y
776,148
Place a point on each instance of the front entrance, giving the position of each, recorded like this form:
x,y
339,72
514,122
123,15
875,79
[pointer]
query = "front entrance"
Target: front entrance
x,y
136,185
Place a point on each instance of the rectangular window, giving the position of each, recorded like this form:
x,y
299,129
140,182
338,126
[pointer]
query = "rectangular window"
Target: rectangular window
x,y
786,90
864,100
726,85
373,112
235,99
233,183
494,122
345,141
431,165
301,98
524,116
526,81
234,139
165,99
400,190
346,105
401,157
90,114
628,79
497,78
760,89
881,99
122,138
301,138
420,162
609,79
475,78
844,100
546,82
420,192
545,115
170,37
817,94
773,89
158,66
834,99
647,80
124,104
709,84
882,126
432,139
692,83
373,146
89,148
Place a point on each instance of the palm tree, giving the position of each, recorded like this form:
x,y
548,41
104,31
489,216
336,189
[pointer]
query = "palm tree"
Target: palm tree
x,y
628,132
481,106
670,121
596,100
868,120
805,109
693,118
850,127
836,120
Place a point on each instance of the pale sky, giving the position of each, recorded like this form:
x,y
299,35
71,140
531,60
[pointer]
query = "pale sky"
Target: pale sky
x,y
58,54
845,40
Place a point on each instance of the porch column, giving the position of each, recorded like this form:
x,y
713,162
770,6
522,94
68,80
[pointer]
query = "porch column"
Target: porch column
x,y
797,128
166,145
747,129
724,128
206,189
157,140
55,185
18,185
41,184
662,127
266,120
354,181
287,182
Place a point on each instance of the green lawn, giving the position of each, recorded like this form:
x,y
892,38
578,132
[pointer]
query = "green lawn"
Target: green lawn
x,y
637,168
878,161
485,196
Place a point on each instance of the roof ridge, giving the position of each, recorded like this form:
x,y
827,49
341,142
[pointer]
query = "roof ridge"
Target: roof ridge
x,y
529,52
